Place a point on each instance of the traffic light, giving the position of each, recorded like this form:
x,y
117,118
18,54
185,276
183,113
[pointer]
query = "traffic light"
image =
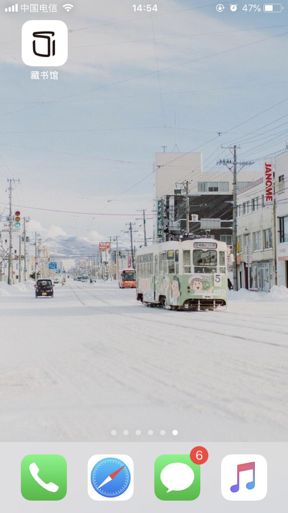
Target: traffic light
x,y
17,219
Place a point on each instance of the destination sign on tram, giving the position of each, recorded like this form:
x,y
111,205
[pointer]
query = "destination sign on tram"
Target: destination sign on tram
x,y
205,245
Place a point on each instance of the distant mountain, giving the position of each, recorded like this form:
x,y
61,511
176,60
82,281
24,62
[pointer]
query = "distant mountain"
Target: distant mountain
x,y
71,247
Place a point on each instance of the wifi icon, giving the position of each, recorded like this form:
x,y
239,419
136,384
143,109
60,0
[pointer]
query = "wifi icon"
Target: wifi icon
x,y
68,7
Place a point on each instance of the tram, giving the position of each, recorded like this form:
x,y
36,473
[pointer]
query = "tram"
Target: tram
x,y
183,275
127,279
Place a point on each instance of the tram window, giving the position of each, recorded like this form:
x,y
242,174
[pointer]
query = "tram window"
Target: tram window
x,y
222,257
222,262
177,261
187,261
205,261
171,261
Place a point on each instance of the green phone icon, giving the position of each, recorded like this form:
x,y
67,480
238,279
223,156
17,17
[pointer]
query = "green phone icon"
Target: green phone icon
x,y
176,478
44,477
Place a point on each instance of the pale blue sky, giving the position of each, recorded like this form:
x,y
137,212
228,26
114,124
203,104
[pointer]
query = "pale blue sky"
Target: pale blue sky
x,y
133,83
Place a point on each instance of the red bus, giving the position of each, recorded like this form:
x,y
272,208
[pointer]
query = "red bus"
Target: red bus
x,y
127,279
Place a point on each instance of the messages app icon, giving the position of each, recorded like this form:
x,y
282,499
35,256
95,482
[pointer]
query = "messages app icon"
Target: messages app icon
x,y
176,478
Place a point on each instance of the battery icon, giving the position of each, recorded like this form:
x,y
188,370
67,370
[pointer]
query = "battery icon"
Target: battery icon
x,y
273,8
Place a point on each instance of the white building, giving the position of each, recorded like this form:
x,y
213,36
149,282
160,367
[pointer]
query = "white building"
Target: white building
x,y
172,169
255,238
281,185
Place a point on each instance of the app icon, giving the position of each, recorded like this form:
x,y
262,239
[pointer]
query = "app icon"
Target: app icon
x,y
244,477
44,43
44,477
176,478
110,477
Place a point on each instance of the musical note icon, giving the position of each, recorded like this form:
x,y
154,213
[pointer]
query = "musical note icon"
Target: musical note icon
x,y
243,467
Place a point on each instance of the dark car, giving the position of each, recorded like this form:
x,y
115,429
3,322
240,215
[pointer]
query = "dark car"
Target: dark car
x,y
44,288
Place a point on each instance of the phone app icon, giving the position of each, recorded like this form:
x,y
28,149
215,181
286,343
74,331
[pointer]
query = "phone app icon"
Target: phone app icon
x,y
244,477
176,478
110,477
44,477
44,43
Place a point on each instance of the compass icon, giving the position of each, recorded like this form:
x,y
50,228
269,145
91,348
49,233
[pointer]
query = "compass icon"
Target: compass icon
x,y
110,477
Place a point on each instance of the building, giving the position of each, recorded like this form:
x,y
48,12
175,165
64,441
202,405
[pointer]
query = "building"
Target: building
x,y
208,215
175,167
281,186
192,202
255,238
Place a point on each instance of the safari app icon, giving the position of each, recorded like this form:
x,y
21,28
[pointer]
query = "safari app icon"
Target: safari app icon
x,y
176,478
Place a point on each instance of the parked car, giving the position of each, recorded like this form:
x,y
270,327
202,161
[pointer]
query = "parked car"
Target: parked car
x,y
84,278
44,288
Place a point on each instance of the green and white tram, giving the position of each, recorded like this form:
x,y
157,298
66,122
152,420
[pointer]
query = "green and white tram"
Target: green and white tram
x,y
184,275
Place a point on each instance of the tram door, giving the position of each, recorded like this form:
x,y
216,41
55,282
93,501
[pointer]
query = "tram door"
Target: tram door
x,y
155,275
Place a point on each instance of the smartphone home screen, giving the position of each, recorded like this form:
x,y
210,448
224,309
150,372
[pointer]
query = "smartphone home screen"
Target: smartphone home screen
x,y
143,255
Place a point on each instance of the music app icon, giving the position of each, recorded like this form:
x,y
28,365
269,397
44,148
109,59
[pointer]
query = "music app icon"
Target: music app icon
x,y
244,477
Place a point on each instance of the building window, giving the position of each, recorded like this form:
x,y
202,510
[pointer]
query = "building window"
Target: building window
x,y
255,204
213,186
246,207
256,241
227,239
267,238
281,184
283,226
263,201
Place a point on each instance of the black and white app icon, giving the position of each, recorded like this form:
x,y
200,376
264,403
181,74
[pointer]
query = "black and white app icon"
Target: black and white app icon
x,y
48,49
44,43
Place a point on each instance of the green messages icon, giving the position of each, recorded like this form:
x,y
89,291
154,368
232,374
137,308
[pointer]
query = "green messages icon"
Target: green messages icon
x,y
176,478
44,477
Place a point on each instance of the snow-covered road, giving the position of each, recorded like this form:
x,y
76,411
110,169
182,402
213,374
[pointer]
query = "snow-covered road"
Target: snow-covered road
x,y
92,359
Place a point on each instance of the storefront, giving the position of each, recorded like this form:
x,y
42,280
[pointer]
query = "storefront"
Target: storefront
x,y
255,276
261,275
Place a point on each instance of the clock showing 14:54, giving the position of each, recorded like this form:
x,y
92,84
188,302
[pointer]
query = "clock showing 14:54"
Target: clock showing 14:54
x,y
145,8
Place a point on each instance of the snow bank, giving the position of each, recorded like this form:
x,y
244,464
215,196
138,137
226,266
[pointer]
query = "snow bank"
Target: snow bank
x,y
244,295
12,290
275,294
4,290
279,293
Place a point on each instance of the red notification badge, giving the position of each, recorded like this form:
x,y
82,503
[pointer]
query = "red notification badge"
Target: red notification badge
x,y
199,455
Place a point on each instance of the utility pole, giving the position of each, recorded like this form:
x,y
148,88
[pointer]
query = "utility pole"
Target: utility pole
x,y
36,256
11,183
187,206
20,259
235,167
132,246
25,248
144,227
117,257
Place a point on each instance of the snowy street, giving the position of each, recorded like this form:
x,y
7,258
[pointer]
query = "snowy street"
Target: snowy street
x,y
92,359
